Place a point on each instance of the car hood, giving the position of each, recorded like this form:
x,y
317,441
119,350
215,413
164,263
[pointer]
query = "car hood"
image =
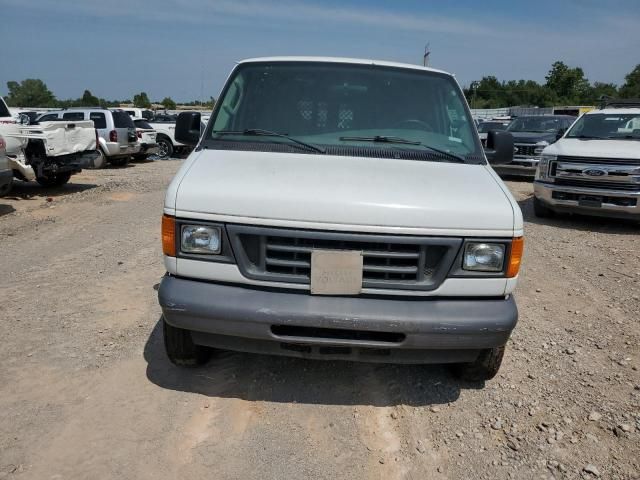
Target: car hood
x,y
325,189
533,137
575,147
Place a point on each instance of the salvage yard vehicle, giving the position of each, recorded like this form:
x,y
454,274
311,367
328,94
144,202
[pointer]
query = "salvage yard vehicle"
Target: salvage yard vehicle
x,y
117,138
51,152
6,174
595,168
139,112
165,126
146,138
531,135
340,209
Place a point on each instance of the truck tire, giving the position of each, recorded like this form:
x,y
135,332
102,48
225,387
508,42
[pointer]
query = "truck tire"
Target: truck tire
x,y
165,147
101,160
54,180
540,209
485,367
180,347
120,161
6,188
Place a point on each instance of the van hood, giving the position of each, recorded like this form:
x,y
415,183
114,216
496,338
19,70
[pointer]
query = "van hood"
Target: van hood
x,y
576,147
344,190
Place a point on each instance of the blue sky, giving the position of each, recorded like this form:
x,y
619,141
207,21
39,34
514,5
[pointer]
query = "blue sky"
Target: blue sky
x,y
185,48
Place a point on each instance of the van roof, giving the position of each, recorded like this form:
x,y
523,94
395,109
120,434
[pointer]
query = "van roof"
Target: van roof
x,y
355,61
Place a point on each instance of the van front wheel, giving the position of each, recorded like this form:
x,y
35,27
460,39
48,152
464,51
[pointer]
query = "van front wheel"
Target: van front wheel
x,y
485,367
180,347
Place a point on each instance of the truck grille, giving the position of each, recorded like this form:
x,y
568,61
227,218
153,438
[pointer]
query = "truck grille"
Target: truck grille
x,y
398,262
604,173
525,150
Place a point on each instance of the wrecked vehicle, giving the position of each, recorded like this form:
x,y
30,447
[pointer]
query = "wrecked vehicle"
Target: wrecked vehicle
x,y
6,175
48,153
340,209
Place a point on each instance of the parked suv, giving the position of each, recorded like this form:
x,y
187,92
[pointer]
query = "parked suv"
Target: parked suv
x,y
595,168
340,209
116,131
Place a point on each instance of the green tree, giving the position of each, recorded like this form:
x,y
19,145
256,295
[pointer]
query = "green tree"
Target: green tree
x,y
569,84
168,103
88,100
599,89
141,100
631,87
31,92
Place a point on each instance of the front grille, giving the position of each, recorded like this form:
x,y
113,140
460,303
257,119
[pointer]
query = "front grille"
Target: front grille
x,y
607,161
597,184
401,262
525,150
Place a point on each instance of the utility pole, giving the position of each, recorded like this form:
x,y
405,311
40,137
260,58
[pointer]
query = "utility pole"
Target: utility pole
x,y
425,57
474,86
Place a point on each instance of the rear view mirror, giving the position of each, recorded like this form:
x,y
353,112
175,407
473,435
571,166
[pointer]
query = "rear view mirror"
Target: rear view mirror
x,y
499,149
188,128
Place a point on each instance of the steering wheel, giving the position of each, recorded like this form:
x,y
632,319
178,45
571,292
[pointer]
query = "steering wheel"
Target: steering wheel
x,y
414,122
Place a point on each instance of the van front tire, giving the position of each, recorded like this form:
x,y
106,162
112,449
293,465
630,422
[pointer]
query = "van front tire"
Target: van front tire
x,y
180,348
485,367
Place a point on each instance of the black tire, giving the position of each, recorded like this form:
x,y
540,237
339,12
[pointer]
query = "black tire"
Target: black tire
x,y
165,147
54,180
540,209
485,367
120,162
180,347
6,188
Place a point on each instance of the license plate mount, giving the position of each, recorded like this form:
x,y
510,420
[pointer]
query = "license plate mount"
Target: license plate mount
x,y
336,272
590,201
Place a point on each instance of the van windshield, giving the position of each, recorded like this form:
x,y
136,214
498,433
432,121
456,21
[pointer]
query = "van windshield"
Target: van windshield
x,y
335,105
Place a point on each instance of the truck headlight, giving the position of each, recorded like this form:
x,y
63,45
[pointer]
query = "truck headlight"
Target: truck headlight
x,y
540,146
542,172
483,257
200,239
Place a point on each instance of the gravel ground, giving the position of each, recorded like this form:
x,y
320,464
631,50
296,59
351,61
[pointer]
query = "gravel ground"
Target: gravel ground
x,y
86,391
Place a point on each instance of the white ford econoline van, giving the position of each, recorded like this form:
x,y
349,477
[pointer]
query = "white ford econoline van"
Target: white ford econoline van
x,y
340,209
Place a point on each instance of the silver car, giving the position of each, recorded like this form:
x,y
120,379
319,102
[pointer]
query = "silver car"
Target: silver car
x,y
116,132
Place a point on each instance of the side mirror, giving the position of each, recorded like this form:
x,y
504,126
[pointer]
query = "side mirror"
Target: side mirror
x,y
560,133
499,149
188,128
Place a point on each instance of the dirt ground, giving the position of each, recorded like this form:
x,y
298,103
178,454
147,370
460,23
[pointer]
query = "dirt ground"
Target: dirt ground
x,y
86,391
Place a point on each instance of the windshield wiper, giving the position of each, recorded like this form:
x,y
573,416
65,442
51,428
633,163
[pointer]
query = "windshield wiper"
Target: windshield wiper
x,y
381,139
404,141
258,132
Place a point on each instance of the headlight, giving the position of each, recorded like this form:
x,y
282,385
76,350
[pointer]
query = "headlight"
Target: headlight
x,y
540,146
483,257
200,239
542,172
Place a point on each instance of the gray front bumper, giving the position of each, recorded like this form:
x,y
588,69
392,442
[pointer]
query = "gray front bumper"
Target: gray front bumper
x,y
421,330
544,192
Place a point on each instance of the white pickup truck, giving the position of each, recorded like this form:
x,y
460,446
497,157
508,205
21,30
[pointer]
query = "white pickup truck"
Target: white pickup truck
x,y
340,209
50,152
594,169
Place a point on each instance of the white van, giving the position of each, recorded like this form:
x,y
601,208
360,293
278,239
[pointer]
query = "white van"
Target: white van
x,y
340,209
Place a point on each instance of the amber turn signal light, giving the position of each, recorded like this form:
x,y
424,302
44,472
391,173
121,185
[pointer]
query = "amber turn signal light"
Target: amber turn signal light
x,y
517,249
168,235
